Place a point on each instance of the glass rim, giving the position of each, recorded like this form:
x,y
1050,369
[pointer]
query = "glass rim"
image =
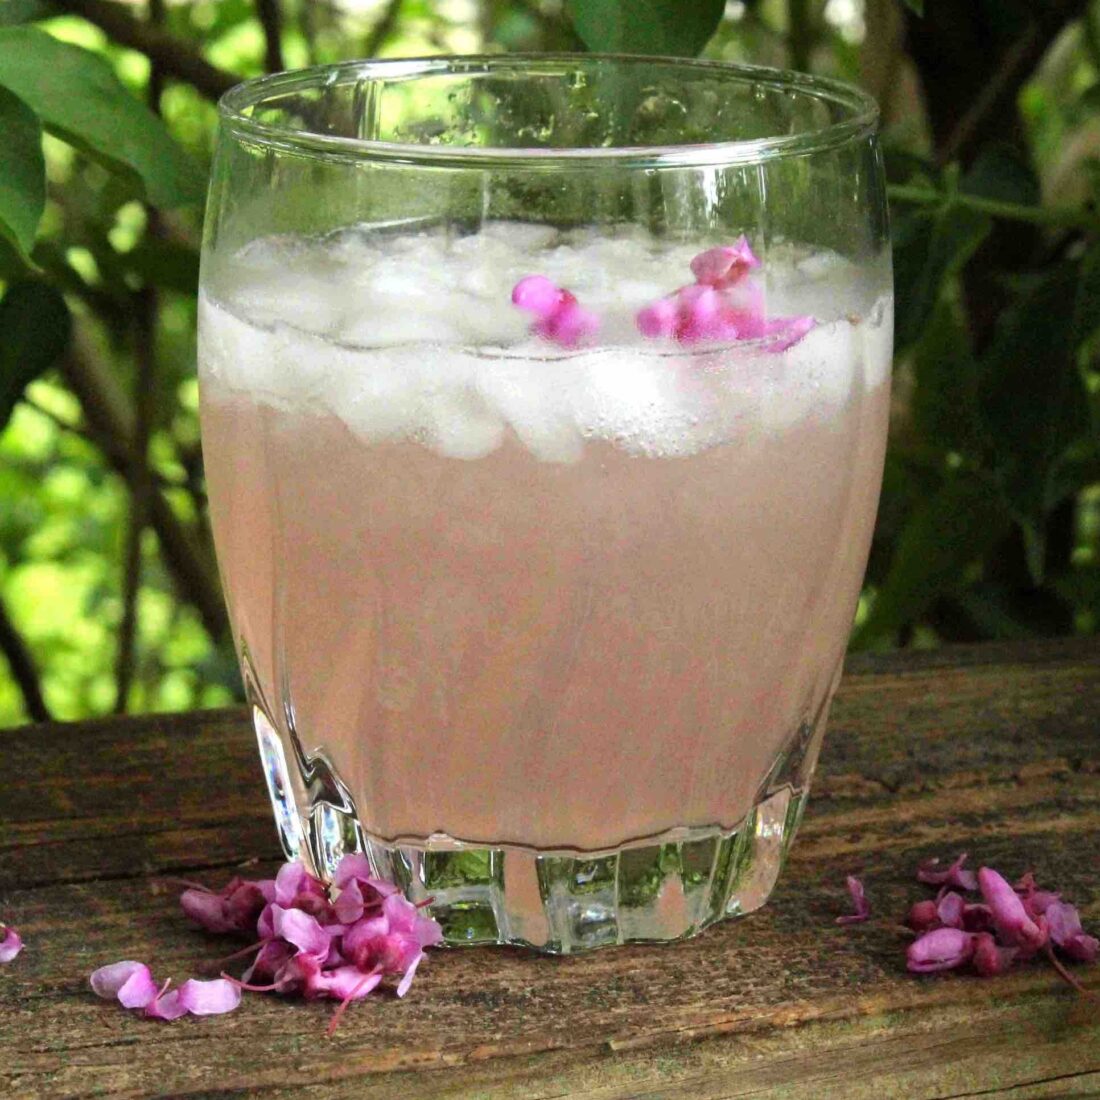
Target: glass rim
x,y
861,117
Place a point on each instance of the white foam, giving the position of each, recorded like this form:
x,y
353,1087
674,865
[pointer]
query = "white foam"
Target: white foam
x,y
414,337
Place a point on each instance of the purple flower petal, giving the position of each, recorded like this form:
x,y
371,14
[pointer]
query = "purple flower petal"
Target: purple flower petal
x,y
977,917
940,949
344,983
11,943
209,998
108,980
1010,918
860,903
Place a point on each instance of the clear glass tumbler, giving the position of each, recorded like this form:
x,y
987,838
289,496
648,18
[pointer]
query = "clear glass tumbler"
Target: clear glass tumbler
x,y
544,402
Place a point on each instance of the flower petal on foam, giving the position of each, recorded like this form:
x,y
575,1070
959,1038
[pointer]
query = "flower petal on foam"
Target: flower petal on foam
x,y
209,998
536,294
725,264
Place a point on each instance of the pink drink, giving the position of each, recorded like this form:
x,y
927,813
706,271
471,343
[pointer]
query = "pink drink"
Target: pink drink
x,y
519,595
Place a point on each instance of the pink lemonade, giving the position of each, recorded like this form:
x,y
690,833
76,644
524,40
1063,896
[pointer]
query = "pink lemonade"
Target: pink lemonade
x,y
515,594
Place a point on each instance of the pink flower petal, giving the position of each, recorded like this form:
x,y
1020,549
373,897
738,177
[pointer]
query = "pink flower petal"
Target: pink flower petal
x,y
949,910
940,949
1010,918
977,917
953,875
302,930
658,319
1064,923
410,973
344,983
168,1006
211,998
206,910
724,265
989,959
11,943
860,903
349,905
353,865
785,332
537,294
923,916
108,980
139,990
570,325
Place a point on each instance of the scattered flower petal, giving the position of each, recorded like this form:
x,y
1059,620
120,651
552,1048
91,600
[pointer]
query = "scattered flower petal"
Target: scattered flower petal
x,y
209,998
929,872
1064,924
167,1005
949,910
1010,918
940,949
108,980
989,958
11,943
860,904
923,916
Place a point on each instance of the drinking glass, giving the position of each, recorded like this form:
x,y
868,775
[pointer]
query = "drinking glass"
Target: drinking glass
x,y
544,402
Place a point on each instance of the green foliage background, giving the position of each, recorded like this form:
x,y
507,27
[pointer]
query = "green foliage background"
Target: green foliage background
x,y
990,520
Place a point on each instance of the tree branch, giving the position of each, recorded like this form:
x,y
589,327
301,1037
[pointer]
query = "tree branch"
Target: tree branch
x,y
382,29
109,413
271,20
22,668
175,58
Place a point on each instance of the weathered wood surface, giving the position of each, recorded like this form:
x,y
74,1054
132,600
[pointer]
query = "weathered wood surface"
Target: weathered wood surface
x,y
991,750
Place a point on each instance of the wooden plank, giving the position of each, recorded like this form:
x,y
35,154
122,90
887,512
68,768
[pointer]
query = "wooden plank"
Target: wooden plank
x,y
990,749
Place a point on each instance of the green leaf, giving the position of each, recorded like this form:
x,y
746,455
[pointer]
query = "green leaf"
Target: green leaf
x,y
165,263
22,171
79,98
1032,396
915,6
944,403
952,528
929,248
35,327
1000,172
20,11
678,28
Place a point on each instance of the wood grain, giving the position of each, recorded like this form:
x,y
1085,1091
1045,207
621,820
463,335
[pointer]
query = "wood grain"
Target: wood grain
x,y
993,750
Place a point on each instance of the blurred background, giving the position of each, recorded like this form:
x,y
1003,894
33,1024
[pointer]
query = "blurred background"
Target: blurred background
x,y
989,526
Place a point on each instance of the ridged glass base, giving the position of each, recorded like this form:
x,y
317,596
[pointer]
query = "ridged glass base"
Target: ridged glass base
x,y
659,888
